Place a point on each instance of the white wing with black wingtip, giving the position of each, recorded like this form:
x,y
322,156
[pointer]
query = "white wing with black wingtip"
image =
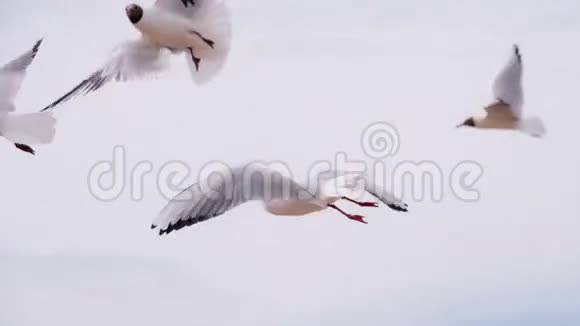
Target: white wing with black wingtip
x,y
352,179
226,190
507,86
135,59
385,196
12,75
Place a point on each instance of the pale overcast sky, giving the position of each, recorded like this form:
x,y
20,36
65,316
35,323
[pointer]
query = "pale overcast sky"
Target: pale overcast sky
x,y
303,81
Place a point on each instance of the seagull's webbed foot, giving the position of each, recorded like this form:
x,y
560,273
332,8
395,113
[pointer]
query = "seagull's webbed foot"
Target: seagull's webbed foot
x,y
195,59
353,217
209,42
358,218
25,148
186,3
362,203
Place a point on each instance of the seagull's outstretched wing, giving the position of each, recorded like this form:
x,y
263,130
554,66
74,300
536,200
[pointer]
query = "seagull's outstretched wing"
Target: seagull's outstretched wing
x,y
12,75
335,183
386,197
224,190
507,86
136,59
334,179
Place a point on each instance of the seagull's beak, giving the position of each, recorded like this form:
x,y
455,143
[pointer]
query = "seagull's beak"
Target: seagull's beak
x,y
459,125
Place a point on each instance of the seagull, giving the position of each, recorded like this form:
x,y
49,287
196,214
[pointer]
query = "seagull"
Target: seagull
x,y
200,30
31,128
506,110
280,195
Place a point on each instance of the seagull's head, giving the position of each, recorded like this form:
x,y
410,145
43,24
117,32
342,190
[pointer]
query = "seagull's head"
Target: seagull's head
x,y
134,12
467,123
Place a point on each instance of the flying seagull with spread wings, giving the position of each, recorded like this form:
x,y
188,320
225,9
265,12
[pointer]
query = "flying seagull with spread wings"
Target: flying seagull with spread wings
x,y
280,195
27,128
506,110
200,30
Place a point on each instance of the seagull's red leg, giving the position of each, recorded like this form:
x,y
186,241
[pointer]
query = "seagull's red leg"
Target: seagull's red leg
x,y
362,203
357,218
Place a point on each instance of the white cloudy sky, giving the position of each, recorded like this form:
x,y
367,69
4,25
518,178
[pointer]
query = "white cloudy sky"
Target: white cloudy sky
x,y
303,81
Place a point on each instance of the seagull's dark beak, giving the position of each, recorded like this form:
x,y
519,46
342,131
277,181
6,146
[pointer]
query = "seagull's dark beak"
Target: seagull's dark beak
x,y
467,123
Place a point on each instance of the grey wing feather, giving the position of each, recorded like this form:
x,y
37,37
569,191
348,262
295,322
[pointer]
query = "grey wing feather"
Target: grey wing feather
x,y
229,189
130,60
13,73
21,63
91,84
507,86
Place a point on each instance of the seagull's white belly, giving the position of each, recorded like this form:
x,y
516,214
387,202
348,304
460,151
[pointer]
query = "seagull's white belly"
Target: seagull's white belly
x,y
291,207
166,30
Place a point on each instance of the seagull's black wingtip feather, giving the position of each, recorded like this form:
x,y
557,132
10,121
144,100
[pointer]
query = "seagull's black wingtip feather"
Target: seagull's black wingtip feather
x,y
399,208
184,222
95,81
25,148
517,51
36,47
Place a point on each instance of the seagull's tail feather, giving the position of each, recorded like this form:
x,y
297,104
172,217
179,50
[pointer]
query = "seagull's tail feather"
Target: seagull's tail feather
x,y
534,127
212,21
30,128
